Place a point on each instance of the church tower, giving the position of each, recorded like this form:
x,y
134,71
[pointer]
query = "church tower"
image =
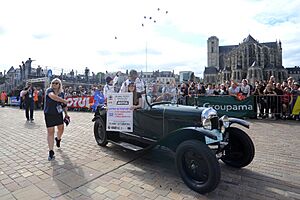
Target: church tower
x,y
213,52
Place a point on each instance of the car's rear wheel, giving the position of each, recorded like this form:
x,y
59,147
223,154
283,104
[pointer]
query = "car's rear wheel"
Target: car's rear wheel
x,y
239,152
100,132
197,166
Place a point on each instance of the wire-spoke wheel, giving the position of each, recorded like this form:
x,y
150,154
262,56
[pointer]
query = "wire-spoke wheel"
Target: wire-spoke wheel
x,y
197,166
100,132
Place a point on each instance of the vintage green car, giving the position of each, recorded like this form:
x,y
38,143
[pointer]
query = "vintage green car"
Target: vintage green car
x,y
197,136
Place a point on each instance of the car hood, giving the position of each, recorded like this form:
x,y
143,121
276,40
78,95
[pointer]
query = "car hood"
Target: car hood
x,y
181,112
180,108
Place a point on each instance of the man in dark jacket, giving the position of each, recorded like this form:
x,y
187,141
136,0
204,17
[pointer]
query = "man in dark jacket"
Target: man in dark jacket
x,y
27,95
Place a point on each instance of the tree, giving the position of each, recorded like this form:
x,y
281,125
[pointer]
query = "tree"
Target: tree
x,y
100,77
87,73
3,79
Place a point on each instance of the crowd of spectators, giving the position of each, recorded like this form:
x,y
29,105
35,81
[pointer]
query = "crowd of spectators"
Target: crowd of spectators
x,y
272,99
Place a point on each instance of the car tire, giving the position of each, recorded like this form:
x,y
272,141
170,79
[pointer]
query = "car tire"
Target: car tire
x,y
239,152
100,132
197,166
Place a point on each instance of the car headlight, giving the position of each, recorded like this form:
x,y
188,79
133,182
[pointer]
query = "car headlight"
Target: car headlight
x,y
208,113
225,121
206,123
206,116
223,129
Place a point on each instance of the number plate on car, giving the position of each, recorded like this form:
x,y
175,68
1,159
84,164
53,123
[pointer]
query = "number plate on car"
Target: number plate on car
x,y
216,133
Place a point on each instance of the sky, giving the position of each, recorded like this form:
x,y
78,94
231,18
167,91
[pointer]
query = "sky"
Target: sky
x,y
109,36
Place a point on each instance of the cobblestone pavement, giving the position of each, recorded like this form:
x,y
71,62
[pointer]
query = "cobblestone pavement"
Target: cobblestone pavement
x,y
83,170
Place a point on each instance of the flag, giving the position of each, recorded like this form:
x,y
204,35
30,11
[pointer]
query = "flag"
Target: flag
x,y
98,99
296,107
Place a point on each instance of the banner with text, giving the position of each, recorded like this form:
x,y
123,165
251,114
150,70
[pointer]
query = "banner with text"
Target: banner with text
x,y
80,102
119,114
13,101
226,105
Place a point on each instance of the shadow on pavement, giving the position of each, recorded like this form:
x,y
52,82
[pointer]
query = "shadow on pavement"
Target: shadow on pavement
x,y
31,125
157,168
67,176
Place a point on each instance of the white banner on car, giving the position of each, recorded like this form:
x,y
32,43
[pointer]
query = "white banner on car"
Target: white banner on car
x,y
119,115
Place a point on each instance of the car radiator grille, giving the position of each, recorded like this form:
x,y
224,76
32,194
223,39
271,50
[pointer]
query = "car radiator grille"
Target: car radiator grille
x,y
214,122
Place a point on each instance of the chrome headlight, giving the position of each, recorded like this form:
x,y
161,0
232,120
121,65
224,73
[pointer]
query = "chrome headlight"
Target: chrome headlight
x,y
225,121
223,129
208,113
206,123
206,116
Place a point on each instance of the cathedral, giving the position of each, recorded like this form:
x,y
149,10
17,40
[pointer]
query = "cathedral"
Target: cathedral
x,y
248,60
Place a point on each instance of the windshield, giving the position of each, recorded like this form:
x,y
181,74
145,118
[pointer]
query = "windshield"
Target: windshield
x,y
160,92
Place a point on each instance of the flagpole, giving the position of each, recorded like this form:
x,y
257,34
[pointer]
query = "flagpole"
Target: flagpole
x,y
146,51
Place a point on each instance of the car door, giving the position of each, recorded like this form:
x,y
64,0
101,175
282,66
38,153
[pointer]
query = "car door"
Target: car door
x,y
148,123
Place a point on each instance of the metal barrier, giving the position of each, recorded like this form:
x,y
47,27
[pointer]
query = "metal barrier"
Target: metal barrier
x,y
274,106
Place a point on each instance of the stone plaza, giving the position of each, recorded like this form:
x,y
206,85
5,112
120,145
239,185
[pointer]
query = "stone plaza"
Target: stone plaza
x,y
84,170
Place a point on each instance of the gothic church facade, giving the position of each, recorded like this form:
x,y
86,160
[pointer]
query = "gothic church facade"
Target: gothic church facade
x,y
248,60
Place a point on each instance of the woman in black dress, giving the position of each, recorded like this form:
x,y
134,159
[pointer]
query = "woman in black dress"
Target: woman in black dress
x,y
137,98
55,105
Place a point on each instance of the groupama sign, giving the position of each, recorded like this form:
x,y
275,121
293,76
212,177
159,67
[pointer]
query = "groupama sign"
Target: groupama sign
x,y
229,108
226,105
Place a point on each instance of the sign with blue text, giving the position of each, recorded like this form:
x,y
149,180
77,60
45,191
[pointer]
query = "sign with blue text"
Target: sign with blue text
x,y
119,113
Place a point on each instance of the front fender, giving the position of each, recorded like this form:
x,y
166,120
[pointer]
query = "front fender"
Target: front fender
x,y
239,121
96,117
99,114
173,139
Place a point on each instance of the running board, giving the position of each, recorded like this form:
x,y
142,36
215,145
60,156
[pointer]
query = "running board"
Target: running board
x,y
128,146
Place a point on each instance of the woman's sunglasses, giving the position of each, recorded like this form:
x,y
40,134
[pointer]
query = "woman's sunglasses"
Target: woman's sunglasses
x,y
55,83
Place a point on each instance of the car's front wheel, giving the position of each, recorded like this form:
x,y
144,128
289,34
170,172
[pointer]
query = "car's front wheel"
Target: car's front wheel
x,y
197,166
239,152
100,132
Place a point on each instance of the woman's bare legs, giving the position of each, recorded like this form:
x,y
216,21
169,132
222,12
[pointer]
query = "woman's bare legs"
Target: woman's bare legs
x,y
60,131
50,137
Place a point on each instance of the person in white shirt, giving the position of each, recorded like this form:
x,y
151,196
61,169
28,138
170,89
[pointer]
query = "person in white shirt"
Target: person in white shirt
x,y
245,88
133,77
209,91
109,86
234,89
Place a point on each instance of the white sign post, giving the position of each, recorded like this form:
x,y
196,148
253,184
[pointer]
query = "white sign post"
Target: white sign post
x,y
119,114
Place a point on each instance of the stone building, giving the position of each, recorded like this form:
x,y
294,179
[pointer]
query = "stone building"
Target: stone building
x,y
294,72
250,59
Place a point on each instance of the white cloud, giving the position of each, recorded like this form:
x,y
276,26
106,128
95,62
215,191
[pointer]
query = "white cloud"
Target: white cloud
x,y
75,34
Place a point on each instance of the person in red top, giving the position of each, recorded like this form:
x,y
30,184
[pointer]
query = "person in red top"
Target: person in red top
x,y
35,98
286,98
3,98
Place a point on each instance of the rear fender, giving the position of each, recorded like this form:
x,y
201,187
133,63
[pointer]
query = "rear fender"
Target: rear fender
x,y
239,121
173,139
